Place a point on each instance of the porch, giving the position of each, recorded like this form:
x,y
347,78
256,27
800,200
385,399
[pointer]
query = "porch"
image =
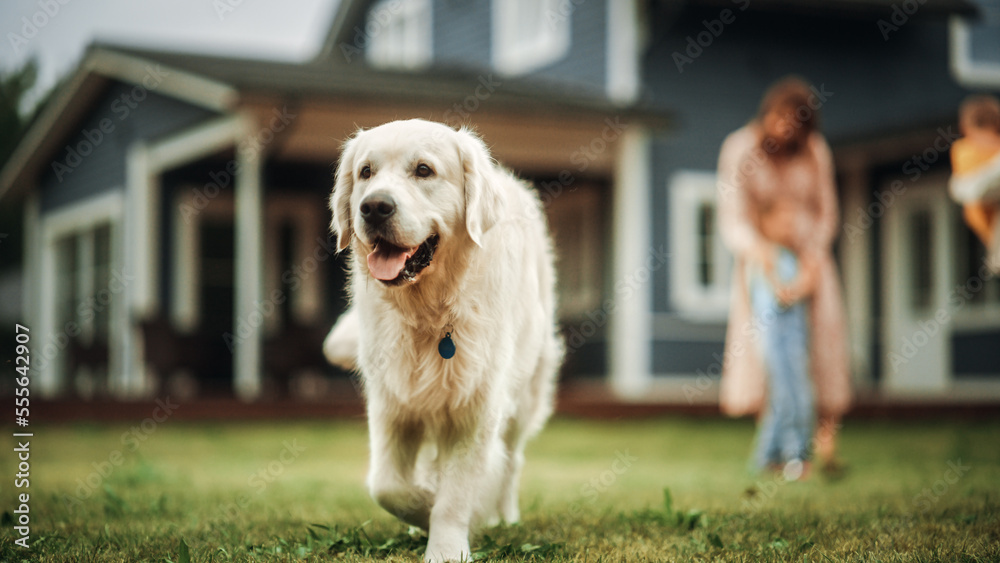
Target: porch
x,y
231,279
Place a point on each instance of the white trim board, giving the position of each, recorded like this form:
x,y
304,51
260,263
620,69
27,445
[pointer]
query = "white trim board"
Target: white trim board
x,y
966,71
624,29
191,88
83,214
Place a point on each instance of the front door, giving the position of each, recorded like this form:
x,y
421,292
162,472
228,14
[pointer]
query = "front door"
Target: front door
x,y
916,279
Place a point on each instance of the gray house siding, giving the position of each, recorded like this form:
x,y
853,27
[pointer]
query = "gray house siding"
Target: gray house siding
x,y
871,85
93,160
585,63
462,33
874,82
463,39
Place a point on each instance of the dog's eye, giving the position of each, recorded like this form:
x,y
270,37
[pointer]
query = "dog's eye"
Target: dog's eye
x,y
423,171
366,172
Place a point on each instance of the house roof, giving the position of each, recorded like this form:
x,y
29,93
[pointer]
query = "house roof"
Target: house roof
x,y
325,77
348,12
219,83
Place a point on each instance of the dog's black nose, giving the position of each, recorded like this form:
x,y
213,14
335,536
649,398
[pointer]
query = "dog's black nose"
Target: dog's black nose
x,y
377,207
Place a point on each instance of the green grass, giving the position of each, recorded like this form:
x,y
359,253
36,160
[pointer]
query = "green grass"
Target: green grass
x,y
290,491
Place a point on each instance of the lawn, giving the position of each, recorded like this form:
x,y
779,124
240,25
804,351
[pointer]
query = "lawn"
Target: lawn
x,y
592,491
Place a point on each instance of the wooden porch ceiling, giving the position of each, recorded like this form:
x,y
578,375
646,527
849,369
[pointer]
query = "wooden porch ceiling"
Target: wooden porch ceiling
x,y
528,142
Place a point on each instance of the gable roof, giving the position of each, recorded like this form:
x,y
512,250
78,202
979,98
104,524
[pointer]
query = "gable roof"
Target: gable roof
x,y
348,13
322,78
76,95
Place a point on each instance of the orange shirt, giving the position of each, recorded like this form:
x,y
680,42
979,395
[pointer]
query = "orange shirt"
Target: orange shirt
x,y
967,156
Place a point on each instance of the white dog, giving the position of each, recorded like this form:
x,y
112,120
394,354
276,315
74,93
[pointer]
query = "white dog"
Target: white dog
x,y
453,299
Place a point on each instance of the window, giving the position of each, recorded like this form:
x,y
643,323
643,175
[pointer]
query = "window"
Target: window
x,y
700,265
529,34
83,297
921,273
81,292
400,34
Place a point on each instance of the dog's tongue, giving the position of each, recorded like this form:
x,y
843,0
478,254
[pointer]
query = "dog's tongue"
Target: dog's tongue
x,y
387,261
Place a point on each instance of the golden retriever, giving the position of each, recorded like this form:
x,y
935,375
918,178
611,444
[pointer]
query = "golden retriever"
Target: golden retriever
x,y
453,310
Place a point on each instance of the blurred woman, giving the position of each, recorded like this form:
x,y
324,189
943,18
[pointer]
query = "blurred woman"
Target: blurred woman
x,y
780,155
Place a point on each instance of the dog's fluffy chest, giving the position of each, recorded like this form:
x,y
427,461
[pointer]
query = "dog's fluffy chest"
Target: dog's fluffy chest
x,y
405,366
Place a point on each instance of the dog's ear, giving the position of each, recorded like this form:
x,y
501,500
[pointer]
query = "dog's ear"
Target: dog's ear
x,y
482,200
340,199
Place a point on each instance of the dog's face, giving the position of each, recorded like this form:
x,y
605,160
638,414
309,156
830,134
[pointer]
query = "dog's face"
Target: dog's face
x,y
406,187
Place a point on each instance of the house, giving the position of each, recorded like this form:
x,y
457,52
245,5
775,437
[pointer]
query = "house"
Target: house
x,y
175,216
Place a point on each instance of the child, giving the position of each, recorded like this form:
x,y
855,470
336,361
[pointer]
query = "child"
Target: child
x,y
777,291
975,163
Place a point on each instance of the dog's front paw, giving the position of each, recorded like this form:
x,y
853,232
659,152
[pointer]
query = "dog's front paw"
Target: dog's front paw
x,y
447,555
440,550
511,514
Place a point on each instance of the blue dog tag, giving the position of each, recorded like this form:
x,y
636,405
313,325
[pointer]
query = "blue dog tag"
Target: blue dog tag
x,y
446,347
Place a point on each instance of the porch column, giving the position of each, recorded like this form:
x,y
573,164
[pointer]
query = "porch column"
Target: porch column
x,y
37,304
248,323
48,372
138,251
629,346
855,251
30,295
146,163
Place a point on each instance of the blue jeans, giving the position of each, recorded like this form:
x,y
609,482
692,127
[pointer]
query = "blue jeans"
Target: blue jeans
x,y
786,427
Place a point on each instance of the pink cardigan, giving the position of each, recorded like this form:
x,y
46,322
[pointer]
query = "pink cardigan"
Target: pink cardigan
x,y
747,179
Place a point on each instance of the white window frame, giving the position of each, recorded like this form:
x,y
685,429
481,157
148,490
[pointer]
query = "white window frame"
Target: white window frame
x,y
79,218
400,34
512,55
688,191
970,73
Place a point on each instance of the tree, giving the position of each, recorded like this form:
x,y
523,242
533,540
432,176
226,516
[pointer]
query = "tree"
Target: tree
x,y
13,124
